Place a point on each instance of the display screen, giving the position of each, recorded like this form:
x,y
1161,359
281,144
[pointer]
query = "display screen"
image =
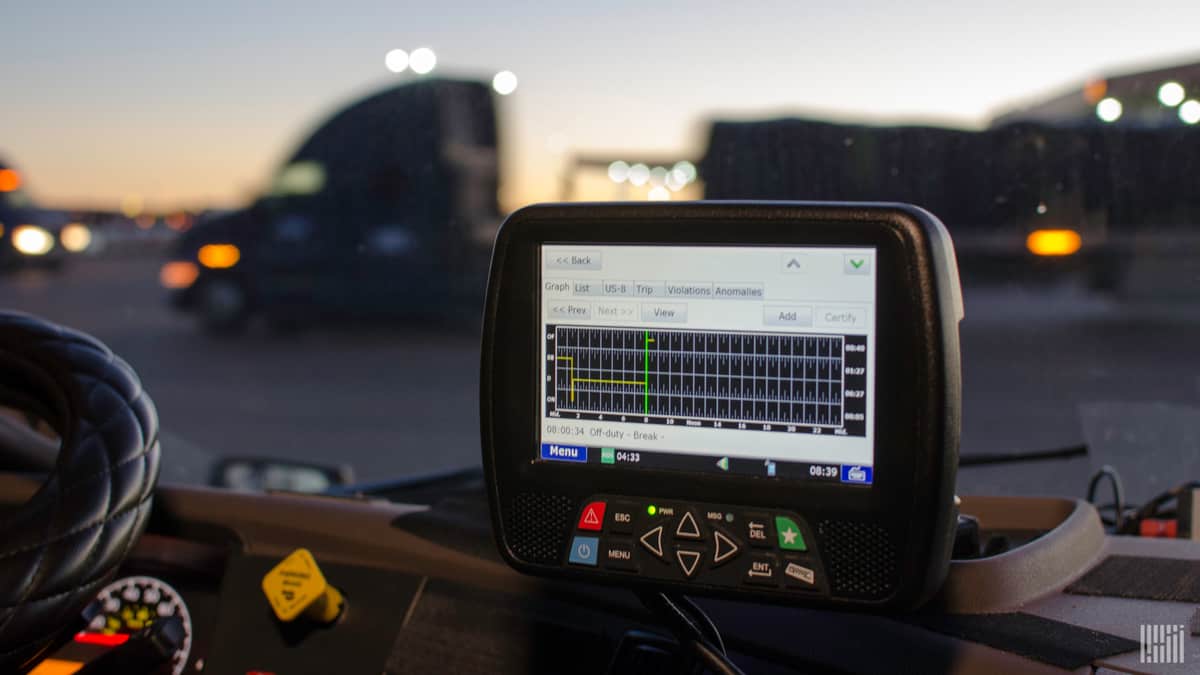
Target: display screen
x,y
738,360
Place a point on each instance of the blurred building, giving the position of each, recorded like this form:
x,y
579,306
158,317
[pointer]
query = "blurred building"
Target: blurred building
x,y
1163,97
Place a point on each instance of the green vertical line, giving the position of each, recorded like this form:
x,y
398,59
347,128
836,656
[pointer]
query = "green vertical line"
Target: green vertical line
x,y
646,377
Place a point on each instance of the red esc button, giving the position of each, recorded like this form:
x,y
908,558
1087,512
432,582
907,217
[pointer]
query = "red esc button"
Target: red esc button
x,y
593,517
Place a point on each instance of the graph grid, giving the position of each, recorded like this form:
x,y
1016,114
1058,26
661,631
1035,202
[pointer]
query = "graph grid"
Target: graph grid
x,y
722,377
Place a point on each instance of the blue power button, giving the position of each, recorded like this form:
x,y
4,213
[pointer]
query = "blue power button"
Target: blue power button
x,y
584,551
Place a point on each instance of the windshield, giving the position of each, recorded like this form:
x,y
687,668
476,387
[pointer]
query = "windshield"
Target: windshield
x,y
283,219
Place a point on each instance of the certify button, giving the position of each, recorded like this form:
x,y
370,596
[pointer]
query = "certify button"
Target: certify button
x,y
841,317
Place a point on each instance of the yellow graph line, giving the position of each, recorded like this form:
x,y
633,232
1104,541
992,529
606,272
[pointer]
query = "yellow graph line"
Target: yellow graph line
x,y
571,367
571,362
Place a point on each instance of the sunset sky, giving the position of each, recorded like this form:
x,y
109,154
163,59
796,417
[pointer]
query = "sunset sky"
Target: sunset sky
x,y
193,105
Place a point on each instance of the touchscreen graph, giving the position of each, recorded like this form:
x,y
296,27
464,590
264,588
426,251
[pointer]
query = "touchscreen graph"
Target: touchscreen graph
x,y
768,381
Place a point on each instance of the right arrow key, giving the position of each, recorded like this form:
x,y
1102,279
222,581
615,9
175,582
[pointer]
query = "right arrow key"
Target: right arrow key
x,y
726,548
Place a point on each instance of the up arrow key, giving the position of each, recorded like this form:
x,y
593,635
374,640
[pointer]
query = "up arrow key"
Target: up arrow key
x,y
688,529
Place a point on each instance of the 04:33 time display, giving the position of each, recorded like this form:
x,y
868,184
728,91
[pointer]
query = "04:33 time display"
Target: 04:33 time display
x,y
627,457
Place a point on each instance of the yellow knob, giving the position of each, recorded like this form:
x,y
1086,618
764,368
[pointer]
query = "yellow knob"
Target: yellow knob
x,y
297,587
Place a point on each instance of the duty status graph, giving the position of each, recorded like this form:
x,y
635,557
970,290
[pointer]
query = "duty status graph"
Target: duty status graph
x,y
789,382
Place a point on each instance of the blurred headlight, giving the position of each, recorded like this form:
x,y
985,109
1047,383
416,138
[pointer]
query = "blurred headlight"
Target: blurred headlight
x,y
1053,242
218,256
75,237
178,274
32,240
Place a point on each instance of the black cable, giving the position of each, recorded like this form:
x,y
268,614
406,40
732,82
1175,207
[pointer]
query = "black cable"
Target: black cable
x,y
691,626
1151,509
701,619
983,459
1107,471
714,661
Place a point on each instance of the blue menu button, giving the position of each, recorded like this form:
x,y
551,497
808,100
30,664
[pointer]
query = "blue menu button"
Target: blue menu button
x,y
564,453
584,551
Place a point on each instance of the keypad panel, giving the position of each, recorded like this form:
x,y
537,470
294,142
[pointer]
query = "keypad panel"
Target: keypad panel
x,y
717,545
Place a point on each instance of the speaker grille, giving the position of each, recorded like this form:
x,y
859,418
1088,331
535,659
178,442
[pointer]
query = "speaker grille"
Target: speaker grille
x,y
859,558
537,526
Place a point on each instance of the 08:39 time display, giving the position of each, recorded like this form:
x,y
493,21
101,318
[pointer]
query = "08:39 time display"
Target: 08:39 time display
x,y
824,471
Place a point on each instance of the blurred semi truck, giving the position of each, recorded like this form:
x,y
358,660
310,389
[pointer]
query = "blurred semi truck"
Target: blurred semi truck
x,y
1022,201
389,209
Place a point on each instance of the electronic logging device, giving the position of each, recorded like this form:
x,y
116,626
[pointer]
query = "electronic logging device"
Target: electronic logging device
x,y
747,399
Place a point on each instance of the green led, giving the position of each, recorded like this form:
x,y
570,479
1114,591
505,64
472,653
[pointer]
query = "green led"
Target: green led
x,y
652,509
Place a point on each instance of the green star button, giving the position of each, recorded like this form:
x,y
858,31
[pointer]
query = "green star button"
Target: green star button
x,y
789,535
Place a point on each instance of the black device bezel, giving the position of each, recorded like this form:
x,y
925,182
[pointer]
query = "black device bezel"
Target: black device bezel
x,y
916,361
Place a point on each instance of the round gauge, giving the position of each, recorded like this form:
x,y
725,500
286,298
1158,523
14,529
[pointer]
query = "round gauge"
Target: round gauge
x,y
130,604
